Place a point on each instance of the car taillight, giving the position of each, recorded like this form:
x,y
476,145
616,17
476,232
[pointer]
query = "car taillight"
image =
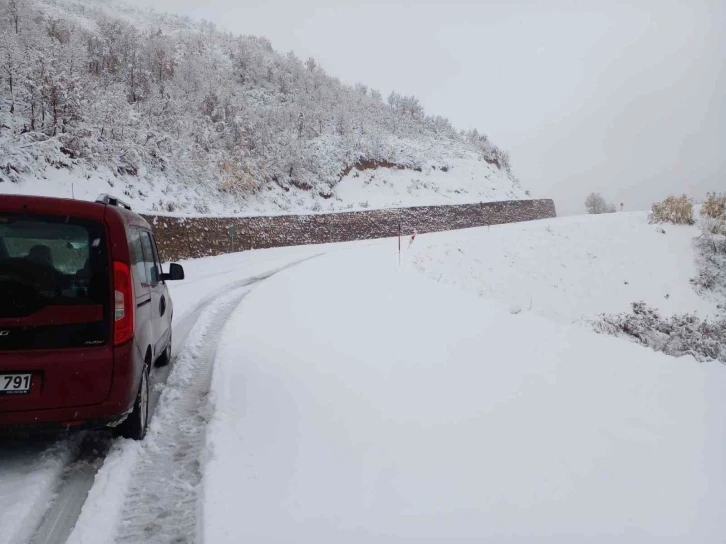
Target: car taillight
x,y
123,326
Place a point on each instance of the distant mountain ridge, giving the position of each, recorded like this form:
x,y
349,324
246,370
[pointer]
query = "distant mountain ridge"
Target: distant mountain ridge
x,y
181,117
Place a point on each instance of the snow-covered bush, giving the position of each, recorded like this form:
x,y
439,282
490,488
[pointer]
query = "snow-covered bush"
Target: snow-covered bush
x,y
714,206
676,210
713,214
235,178
677,335
711,248
596,204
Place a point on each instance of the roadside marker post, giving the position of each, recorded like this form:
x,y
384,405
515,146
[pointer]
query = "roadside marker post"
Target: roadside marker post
x,y
399,245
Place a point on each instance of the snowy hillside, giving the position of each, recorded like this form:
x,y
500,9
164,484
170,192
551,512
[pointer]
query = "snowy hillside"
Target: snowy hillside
x,y
178,116
571,269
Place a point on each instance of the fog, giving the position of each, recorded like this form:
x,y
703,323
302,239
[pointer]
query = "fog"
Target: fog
x,y
625,100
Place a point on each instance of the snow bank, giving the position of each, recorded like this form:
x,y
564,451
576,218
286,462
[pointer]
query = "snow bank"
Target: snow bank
x,y
103,507
570,269
356,403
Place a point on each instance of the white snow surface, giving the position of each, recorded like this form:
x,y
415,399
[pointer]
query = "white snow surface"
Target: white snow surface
x,y
355,402
209,277
28,473
103,513
145,193
468,179
570,269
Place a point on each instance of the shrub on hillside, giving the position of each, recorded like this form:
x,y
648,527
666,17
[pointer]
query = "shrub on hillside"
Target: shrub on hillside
x,y
714,206
711,247
235,179
596,204
713,214
677,335
676,210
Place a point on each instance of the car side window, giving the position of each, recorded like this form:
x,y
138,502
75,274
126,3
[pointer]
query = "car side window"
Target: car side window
x,y
150,263
137,259
157,261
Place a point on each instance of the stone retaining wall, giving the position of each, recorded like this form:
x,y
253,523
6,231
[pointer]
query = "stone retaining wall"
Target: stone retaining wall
x,y
185,237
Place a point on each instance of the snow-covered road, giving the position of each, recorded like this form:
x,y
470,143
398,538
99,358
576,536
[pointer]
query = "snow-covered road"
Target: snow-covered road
x,y
352,400
44,482
356,402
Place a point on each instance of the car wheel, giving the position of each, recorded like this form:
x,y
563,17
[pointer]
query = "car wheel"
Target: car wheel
x,y
134,426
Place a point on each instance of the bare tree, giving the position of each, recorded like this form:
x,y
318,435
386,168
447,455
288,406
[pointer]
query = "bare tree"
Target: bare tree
x,y
15,15
10,64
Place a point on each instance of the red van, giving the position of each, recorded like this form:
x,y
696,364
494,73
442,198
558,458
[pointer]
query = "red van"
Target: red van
x,y
84,313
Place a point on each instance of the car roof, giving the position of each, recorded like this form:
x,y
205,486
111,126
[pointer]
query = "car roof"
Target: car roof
x,y
43,205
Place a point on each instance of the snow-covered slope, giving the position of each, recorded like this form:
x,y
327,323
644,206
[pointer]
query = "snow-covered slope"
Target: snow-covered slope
x,y
463,180
179,117
571,269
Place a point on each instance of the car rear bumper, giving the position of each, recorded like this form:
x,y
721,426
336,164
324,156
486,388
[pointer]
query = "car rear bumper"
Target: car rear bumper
x,y
55,428
34,413
60,379
85,417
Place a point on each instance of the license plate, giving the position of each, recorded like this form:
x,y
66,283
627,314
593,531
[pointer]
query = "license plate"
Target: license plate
x,y
15,384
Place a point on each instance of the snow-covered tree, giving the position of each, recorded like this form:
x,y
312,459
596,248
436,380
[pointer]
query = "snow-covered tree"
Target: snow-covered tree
x,y
596,204
157,93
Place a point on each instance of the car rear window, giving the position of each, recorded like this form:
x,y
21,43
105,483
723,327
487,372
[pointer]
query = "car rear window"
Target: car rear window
x,y
51,261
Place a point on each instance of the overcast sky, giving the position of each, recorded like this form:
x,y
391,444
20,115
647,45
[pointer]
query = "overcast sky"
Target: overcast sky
x,y
623,98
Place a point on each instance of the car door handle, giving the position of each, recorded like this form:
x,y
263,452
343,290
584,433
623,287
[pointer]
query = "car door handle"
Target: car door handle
x,y
162,305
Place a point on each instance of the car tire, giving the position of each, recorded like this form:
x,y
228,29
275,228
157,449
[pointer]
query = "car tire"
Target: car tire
x,y
134,426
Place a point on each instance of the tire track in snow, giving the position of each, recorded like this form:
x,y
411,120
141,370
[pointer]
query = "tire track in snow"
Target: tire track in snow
x,y
31,469
161,502
60,517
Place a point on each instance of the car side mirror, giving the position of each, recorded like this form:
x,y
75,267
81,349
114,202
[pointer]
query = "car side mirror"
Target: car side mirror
x,y
176,272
